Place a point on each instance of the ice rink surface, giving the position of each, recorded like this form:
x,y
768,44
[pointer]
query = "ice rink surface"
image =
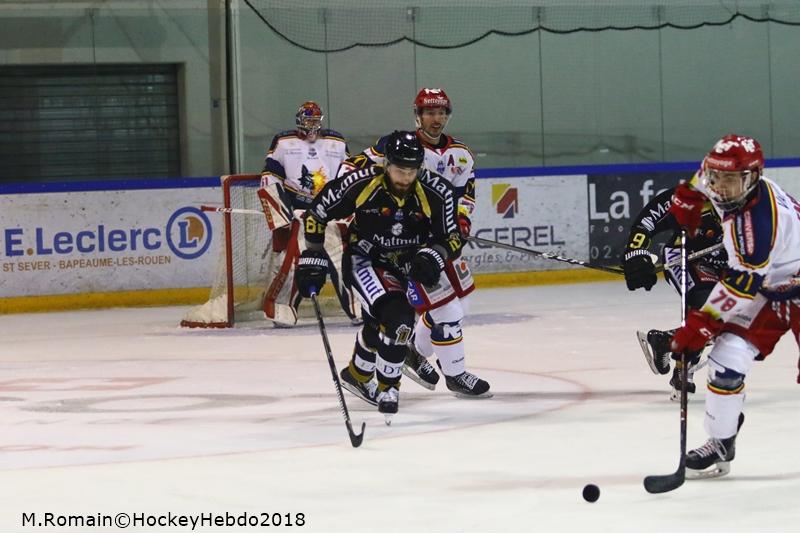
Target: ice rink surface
x,y
122,411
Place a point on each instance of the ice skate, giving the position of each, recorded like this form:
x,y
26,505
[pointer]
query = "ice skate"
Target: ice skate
x,y
418,369
468,385
655,346
366,390
388,402
712,459
675,380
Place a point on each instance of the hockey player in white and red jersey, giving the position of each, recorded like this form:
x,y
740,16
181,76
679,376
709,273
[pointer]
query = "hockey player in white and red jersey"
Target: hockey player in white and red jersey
x,y
756,300
438,329
298,165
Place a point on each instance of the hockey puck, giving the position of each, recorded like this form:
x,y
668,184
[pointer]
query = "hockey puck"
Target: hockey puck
x,y
591,493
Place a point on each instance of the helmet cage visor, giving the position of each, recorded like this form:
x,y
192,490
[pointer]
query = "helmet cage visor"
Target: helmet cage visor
x,y
729,189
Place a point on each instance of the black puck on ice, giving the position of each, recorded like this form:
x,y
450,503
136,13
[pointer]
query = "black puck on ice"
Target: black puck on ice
x,y
591,493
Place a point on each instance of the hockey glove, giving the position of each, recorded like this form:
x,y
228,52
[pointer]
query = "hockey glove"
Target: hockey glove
x,y
687,208
639,270
699,328
312,271
426,266
464,225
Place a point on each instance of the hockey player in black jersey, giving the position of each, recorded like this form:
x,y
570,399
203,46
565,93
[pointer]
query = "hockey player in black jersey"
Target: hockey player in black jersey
x,y
702,274
403,233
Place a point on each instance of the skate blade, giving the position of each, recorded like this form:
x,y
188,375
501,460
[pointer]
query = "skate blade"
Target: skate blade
x,y
485,396
410,374
718,470
387,418
355,392
648,355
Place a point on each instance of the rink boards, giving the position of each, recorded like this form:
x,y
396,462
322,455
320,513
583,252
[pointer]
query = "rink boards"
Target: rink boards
x,y
146,242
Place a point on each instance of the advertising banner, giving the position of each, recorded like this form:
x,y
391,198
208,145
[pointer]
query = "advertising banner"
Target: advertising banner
x,y
615,200
97,241
544,213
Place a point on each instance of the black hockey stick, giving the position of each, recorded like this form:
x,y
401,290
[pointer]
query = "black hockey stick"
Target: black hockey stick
x,y
355,440
545,255
668,482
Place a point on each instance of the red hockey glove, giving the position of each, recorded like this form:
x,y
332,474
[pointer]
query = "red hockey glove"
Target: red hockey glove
x,y
699,328
687,208
464,225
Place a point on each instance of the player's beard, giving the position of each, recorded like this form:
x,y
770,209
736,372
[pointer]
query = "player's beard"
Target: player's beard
x,y
396,189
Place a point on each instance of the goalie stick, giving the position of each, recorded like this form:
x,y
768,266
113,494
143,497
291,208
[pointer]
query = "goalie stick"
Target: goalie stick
x,y
669,482
355,440
232,210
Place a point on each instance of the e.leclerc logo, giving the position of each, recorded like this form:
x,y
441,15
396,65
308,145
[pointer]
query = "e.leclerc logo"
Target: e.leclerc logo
x,y
187,234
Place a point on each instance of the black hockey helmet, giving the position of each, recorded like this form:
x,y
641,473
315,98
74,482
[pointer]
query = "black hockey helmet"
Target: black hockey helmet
x,y
404,149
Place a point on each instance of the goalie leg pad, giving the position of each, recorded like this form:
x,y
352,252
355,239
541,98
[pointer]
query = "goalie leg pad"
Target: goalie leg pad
x,y
280,239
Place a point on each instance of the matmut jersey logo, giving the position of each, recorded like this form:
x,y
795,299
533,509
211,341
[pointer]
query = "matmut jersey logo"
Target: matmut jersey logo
x,y
505,198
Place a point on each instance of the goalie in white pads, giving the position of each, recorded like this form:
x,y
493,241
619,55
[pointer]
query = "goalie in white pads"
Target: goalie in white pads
x,y
438,328
298,165
758,298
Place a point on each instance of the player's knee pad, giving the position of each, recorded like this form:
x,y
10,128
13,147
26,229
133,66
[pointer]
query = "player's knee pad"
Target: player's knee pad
x,y
396,318
369,336
446,333
722,380
452,311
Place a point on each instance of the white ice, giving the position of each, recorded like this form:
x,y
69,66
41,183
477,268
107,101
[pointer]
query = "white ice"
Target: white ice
x,y
122,411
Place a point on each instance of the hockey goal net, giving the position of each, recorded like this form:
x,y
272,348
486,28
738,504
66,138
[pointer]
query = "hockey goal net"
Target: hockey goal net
x,y
246,262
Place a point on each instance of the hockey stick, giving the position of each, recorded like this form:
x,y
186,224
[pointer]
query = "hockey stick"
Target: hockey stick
x,y
545,255
696,255
355,440
233,210
668,482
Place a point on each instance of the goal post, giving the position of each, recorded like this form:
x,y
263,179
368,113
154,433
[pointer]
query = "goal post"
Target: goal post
x,y
246,263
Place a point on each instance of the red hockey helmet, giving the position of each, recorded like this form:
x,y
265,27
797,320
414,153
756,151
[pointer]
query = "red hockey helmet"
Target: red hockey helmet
x,y
731,170
308,119
432,98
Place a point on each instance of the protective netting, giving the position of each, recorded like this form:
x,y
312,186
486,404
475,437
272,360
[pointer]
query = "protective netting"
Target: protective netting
x,y
337,25
244,260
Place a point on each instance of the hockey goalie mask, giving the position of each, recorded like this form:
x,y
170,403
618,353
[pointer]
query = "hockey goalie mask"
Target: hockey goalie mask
x,y
731,170
404,158
309,120
432,109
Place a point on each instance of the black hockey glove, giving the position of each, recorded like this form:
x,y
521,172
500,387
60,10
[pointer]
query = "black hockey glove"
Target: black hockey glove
x,y
639,270
426,266
312,270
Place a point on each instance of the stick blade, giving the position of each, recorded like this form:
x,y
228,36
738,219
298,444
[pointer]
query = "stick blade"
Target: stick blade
x,y
356,440
661,484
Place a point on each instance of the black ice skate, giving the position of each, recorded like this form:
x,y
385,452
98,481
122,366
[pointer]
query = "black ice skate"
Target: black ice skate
x,y
388,403
468,385
417,368
364,390
655,346
675,380
712,459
